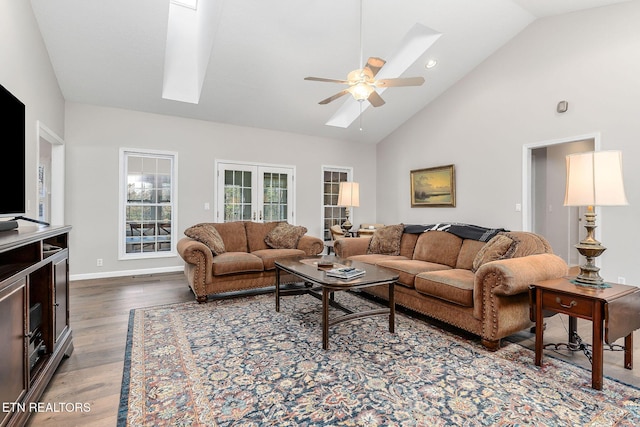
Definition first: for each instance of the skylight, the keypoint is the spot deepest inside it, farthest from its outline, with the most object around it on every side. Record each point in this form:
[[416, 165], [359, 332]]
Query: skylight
[[192, 4], [190, 34]]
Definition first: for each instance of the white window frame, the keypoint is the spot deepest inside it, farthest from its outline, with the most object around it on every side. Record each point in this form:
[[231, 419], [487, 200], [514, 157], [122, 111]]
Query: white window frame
[[122, 223], [329, 168]]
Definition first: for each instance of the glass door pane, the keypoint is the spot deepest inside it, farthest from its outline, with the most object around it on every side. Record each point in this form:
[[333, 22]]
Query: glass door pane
[[275, 200], [333, 214], [237, 189], [258, 193]]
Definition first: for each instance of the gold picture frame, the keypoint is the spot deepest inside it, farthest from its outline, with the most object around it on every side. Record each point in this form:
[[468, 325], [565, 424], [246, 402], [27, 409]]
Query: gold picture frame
[[433, 187]]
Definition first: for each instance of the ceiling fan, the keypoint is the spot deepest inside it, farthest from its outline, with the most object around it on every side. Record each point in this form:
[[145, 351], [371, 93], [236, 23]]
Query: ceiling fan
[[362, 83]]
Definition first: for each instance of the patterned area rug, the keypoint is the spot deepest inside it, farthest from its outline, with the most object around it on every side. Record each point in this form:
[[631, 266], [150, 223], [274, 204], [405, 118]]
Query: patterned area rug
[[238, 362]]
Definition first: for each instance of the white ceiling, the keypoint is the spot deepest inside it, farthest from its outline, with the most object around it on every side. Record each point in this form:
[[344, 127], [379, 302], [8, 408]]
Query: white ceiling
[[111, 53]]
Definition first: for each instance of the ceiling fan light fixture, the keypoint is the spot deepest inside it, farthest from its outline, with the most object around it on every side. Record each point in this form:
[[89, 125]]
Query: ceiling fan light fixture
[[360, 75], [431, 63], [361, 91]]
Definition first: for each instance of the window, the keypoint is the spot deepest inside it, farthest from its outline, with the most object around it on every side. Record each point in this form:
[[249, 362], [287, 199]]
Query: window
[[147, 185], [332, 214], [252, 192]]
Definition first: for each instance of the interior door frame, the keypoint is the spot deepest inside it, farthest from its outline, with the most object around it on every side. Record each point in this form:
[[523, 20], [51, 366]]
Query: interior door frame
[[528, 174], [56, 187]]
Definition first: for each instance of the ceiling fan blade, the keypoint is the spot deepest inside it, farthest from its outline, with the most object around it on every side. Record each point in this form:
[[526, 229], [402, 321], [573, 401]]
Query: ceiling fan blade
[[375, 99], [403, 81], [322, 79], [334, 97], [413, 45], [374, 64]]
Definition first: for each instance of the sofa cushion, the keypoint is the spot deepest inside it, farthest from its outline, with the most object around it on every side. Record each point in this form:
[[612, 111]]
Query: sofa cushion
[[236, 262], [499, 247], [233, 235], [455, 285], [440, 247], [468, 253], [386, 240], [256, 234], [207, 234], [270, 256], [285, 236], [408, 268], [408, 244]]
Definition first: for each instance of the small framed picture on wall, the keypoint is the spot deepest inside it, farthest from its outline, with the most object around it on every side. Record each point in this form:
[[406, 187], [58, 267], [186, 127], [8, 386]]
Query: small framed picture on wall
[[433, 187]]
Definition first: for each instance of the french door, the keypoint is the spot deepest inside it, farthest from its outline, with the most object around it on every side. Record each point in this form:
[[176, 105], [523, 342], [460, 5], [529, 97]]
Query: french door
[[254, 192]]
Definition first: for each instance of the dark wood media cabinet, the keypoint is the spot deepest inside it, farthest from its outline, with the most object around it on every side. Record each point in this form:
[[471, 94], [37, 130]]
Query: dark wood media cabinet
[[34, 315]]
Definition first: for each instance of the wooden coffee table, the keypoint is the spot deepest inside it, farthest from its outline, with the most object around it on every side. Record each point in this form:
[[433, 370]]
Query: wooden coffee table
[[321, 286]]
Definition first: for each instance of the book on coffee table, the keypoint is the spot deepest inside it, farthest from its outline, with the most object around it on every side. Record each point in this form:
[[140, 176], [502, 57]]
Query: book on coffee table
[[345, 272]]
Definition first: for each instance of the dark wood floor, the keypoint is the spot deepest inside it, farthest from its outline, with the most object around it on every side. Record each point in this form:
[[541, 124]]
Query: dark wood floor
[[99, 315], [99, 319]]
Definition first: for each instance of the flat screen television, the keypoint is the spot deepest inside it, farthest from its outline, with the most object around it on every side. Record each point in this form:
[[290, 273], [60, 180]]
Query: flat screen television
[[12, 147]]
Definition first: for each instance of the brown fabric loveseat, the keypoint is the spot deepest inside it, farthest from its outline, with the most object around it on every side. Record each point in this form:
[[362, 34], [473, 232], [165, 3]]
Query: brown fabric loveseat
[[475, 286], [234, 256]]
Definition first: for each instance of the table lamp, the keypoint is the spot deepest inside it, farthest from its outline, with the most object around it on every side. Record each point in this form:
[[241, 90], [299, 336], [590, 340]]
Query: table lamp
[[348, 196], [593, 179]]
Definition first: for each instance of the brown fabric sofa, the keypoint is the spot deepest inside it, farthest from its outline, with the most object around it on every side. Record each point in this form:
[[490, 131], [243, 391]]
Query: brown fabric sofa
[[246, 261], [455, 280]]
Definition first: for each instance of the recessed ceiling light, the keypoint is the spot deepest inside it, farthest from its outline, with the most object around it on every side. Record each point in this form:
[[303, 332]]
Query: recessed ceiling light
[[431, 63]]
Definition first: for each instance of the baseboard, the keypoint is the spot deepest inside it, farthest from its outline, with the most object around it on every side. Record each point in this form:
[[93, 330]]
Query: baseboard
[[125, 273]]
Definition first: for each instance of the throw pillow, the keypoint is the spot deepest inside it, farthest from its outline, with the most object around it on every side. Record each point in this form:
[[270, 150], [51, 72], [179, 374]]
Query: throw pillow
[[499, 247], [386, 240], [207, 234], [285, 236]]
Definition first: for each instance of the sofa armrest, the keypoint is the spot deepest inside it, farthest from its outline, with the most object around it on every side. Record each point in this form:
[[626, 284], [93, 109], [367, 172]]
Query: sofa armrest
[[194, 252], [199, 264], [349, 246], [311, 245], [513, 276]]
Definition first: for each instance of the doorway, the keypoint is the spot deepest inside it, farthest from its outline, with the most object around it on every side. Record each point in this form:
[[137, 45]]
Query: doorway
[[50, 177], [544, 212]]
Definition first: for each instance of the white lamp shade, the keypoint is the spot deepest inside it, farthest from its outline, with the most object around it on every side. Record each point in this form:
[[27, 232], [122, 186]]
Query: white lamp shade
[[595, 179], [349, 194]]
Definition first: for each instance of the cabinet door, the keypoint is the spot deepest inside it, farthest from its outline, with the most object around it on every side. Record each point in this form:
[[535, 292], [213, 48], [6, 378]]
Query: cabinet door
[[12, 343], [61, 290]]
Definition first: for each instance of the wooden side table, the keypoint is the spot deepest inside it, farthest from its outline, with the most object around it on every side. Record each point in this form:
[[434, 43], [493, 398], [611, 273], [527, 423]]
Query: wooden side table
[[616, 307]]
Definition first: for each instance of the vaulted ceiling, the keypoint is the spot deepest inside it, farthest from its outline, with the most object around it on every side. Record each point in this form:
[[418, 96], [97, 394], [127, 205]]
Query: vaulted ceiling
[[112, 53]]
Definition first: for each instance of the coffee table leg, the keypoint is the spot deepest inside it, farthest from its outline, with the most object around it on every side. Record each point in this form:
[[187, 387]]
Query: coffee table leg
[[392, 308], [325, 318], [277, 289]]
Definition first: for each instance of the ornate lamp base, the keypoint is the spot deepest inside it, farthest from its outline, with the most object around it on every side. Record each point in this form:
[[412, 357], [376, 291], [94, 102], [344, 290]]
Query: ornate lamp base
[[346, 225], [590, 248]]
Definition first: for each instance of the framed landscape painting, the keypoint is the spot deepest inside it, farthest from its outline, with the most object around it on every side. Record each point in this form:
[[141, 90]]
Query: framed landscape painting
[[433, 187]]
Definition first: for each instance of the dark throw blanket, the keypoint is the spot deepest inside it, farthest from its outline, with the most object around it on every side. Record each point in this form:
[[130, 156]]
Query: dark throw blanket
[[464, 231]]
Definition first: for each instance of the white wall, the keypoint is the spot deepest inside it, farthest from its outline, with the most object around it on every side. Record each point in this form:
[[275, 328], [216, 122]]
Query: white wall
[[94, 136], [588, 58], [25, 70]]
